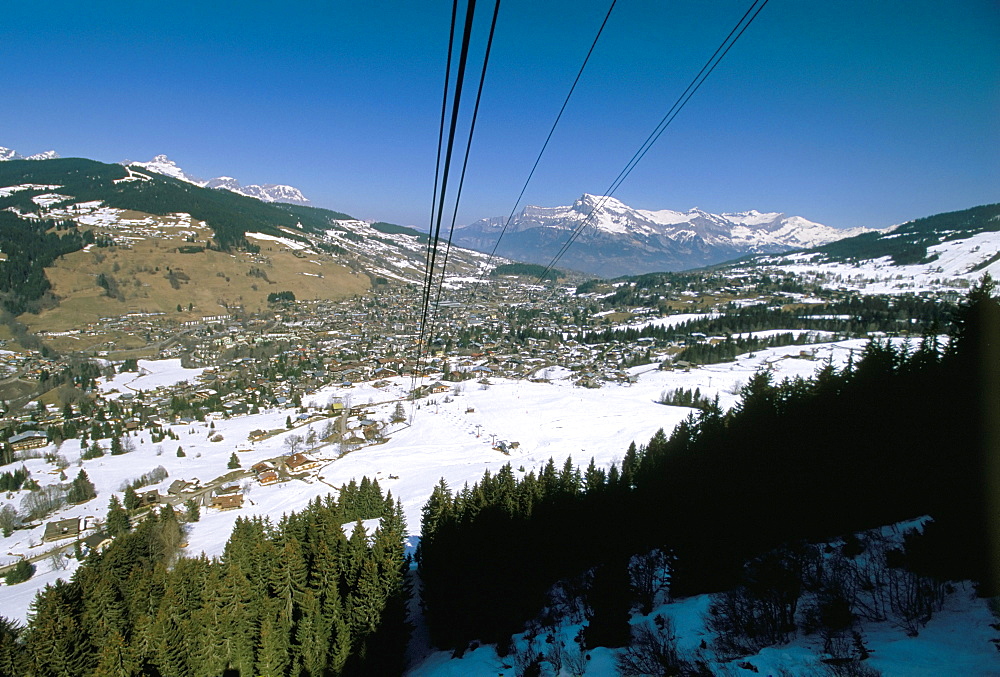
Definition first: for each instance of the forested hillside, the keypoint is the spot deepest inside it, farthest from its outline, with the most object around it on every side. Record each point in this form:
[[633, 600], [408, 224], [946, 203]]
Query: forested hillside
[[296, 597], [908, 243], [229, 215], [30, 246], [898, 434]]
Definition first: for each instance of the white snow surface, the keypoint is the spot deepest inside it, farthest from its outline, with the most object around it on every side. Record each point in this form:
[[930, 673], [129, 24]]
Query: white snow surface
[[152, 374], [284, 241]]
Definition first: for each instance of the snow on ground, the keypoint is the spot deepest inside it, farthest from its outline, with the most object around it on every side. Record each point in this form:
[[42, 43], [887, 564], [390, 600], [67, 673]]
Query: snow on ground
[[284, 241], [669, 320], [956, 642], [444, 439], [151, 375], [952, 269]]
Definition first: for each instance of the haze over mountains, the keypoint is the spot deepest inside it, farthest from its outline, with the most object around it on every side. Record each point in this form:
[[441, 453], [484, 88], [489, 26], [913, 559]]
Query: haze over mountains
[[616, 239]]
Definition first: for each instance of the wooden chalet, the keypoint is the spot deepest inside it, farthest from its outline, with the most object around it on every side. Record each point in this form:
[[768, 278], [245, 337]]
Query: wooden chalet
[[227, 501], [299, 461]]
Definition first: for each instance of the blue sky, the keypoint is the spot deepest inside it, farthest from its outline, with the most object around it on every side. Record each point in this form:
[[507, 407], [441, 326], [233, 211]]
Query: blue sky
[[849, 113]]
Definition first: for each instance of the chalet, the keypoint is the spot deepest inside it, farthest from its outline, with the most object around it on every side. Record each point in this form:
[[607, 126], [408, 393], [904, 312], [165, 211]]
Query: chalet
[[298, 462], [67, 528], [148, 498], [177, 486], [438, 387], [29, 439], [228, 501], [97, 542], [267, 477]]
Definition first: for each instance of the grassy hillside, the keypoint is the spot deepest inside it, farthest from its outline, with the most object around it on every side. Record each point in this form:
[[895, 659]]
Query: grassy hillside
[[150, 258]]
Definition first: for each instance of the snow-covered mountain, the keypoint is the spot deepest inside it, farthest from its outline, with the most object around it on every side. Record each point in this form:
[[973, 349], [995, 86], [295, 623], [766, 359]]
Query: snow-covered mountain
[[268, 192], [11, 154], [621, 240]]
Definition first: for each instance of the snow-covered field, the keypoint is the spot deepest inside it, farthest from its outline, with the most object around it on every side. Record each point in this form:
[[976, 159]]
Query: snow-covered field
[[452, 439]]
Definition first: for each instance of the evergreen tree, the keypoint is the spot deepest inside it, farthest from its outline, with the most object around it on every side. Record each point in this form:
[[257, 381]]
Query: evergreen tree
[[234, 461], [13, 658], [192, 511], [131, 498], [273, 658], [117, 521], [82, 489]]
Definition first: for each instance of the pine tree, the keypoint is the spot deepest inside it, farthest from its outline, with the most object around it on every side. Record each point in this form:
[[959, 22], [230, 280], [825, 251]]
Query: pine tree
[[273, 658], [116, 658], [192, 511], [82, 489], [312, 635], [13, 657], [117, 521], [131, 498], [234, 461]]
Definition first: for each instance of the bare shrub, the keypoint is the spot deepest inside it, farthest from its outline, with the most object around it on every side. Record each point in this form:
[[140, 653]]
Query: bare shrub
[[653, 651], [38, 504], [649, 576], [761, 612], [157, 474], [9, 519]]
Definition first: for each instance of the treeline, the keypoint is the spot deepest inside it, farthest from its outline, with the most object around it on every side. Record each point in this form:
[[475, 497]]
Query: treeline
[[854, 316], [393, 229], [292, 598], [528, 270], [895, 435], [727, 349]]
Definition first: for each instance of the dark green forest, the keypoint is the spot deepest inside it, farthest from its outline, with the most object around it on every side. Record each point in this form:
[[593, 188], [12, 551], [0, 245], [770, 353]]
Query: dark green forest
[[30, 246], [527, 270], [295, 597], [899, 433], [393, 229]]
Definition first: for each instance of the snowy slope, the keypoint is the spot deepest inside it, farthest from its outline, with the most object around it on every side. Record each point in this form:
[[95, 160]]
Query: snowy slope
[[957, 264]]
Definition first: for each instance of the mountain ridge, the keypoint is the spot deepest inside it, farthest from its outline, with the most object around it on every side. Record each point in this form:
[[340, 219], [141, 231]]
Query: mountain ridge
[[268, 192], [634, 241]]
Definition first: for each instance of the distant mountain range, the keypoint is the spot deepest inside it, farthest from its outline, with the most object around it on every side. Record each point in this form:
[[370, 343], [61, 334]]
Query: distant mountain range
[[268, 192], [161, 164], [621, 240], [11, 154]]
